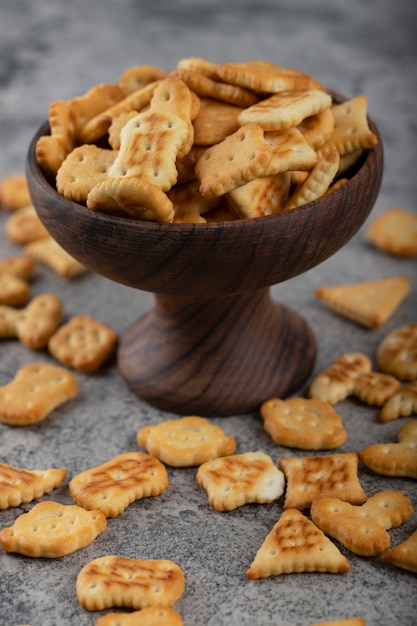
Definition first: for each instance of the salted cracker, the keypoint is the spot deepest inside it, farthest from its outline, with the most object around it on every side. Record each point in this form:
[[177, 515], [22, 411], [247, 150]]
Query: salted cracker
[[148, 616], [337, 381], [396, 353], [403, 555], [34, 324], [93, 102], [290, 151], [20, 486], [293, 545], [318, 181], [114, 580], [215, 121], [52, 149], [402, 403], [394, 232], [206, 87], [267, 195], [394, 459]]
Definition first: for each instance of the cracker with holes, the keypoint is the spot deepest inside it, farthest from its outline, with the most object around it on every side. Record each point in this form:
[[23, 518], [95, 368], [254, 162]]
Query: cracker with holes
[[403, 555], [34, 324], [83, 343], [35, 391], [52, 149], [236, 480], [402, 403], [337, 381], [295, 544], [394, 459], [114, 580], [112, 486], [397, 352], [14, 192], [24, 226], [138, 76], [362, 529], [148, 616], [307, 424], [186, 442], [267, 195], [51, 530], [369, 303], [375, 388], [91, 104], [19, 486], [83, 168], [189, 205], [318, 181], [394, 232], [48, 252], [334, 475]]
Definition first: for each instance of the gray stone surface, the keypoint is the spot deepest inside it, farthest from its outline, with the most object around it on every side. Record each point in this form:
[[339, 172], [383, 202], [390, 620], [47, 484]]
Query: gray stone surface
[[51, 50]]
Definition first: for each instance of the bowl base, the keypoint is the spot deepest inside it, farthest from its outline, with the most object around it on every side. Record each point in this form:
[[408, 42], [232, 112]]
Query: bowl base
[[216, 356]]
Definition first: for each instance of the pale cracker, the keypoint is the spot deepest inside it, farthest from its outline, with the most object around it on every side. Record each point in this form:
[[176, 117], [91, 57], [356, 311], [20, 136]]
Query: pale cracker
[[34, 324], [336, 382], [19, 486], [14, 191], [362, 529], [148, 616], [52, 530], [83, 343], [334, 475], [397, 352], [186, 442], [48, 252], [368, 303], [402, 403], [394, 232], [290, 151], [375, 388], [318, 128], [317, 182], [286, 109], [394, 459], [215, 121], [24, 226], [295, 544], [114, 580], [112, 486], [404, 554], [236, 480], [35, 391], [96, 100], [138, 76], [263, 196], [307, 424]]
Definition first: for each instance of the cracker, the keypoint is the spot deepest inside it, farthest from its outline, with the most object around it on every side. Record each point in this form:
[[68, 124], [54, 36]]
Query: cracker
[[317, 182], [293, 545], [215, 121], [186, 442], [189, 205], [334, 475], [317, 129], [394, 459], [349, 160], [83, 168], [14, 291], [290, 151], [148, 616], [19, 486], [369, 303], [52, 149], [35, 391], [114, 580], [397, 352], [350, 621], [337, 381], [404, 554], [52, 530], [24, 226], [48, 252], [202, 66], [233, 481], [238, 159], [362, 529], [14, 192], [394, 232], [112, 486], [116, 126], [20, 265], [375, 388], [286, 109], [96, 100], [33, 325], [83, 343], [138, 76], [263, 196], [206, 87], [307, 424], [402, 403]]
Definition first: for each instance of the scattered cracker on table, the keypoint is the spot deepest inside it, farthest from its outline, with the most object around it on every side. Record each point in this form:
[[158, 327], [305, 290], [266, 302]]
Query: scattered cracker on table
[[186, 442], [295, 544], [112, 486], [35, 391], [369, 303], [14, 192], [308, 424], [52, 530], [236, 480], [394, 459], [14, 291], [394, 232], [403, 555], [337, 381], [402, 403], [148, 616], [19, 486], [83, 343], [114, 580], [375, 388], [47, 251], [33, 325], [397, 352], [24, 226], [334, 475], [20, 265], [350, 621], [362, 529]]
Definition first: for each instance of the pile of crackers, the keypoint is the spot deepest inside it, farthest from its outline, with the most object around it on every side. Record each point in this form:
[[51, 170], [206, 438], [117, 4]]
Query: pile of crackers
[[205, 142]]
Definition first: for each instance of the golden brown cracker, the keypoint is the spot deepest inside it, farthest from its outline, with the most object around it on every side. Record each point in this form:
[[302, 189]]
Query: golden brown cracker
[[396, 353], [34, 324], [403, 555], [93, 102], [52, 149], [138, 76], [336, 382], [394, 459], [394, 232], [263, 196], [290, 151], [14, 191], [402, 403], [48, 252], [215, 121], [189, 205], [206, 87], [375, 388], [14, 291], [148, 616], [19, 265], [19, 486], [24, 226], [317, 182]]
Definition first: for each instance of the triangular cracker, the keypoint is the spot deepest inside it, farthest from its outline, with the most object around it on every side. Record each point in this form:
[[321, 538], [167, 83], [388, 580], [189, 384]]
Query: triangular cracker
[[295, 544], [368, 303], [403, 555]]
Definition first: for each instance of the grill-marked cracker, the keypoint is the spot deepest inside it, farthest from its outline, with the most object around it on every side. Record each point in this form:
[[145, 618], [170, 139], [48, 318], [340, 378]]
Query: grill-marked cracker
[[263, 196], [19, 486], [337, 381]]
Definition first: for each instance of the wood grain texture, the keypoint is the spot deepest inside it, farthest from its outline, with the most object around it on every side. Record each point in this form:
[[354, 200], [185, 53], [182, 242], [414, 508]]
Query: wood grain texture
[[215, 343]]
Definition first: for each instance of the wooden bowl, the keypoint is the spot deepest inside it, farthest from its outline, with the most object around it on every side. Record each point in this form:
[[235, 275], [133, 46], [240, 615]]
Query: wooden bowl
[[215, 342]]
